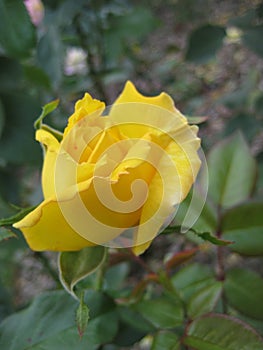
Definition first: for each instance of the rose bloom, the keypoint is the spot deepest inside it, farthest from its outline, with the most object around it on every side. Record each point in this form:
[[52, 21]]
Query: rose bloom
[[35, 9], [75, 61], [116, 177]]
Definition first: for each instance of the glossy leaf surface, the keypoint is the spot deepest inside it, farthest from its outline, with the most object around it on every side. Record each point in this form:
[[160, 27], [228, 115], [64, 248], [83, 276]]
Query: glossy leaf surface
[[244, 225], [232, 171], [219, 332]]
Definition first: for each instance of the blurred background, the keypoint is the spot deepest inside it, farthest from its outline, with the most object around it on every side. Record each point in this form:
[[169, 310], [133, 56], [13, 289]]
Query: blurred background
[[207, 54]]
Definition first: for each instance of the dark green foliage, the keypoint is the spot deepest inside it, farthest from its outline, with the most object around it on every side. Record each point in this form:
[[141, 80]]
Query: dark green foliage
[[17, 34], [204, 42], [204, 290]]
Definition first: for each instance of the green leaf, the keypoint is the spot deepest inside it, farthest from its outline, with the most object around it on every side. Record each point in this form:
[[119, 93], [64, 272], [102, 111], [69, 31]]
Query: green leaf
[[245, 122], [17, 34], [252, 39], [37, 77], [206, 236], [93, 337], [256, 324], [244, 225], [82, 316], [5, 208], [127, 336], [99, 303], [134, 319], [6, 302], [66, 340], [18, 145], [191, 279], [47, 316], [132, 25], [204, 219], [46, 109], [204, 300], [49, 54], [132, 327], [101, 329], [115, 277], [165, 340], [6, 234], [137, 23], [204, 42], [11, 75], [75, 266], [2, 118], [243, 290], [161, 312], [220, 332], [258, 104], [49, 324], [232, 171]]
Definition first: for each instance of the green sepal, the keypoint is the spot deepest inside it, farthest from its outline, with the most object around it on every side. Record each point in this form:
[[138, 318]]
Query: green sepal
[[16, 217], [46, 109], [75, 266], [196, 119]]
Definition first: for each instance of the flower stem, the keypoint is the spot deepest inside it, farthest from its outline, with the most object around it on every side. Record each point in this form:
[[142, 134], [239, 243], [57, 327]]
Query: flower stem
[[220, 273], [220, 266], [101, 272], [140, 261]]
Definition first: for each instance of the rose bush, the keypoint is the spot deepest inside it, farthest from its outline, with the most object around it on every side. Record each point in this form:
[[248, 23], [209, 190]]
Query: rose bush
[[116, 176]]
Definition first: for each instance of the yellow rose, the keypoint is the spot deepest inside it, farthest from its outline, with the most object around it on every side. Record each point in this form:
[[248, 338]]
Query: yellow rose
[[116, 177]]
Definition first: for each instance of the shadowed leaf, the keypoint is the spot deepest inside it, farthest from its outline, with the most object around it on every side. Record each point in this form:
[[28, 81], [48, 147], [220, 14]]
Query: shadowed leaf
[[75, 266]]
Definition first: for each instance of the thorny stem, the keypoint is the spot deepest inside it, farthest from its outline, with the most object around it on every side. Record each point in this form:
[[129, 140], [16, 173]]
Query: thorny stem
[[221, 274], [220, 266], [140, 261], [142, 285]]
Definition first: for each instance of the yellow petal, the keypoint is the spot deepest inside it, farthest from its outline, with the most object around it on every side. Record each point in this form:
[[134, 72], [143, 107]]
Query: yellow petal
[[137, 153], [84, 107], [77, 220], [131, 94], [140, 249], [137, 115], [51, 146], [106, 139], [90, 137], [60, 170], [45, 228], [154, 213], [176, 173]]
